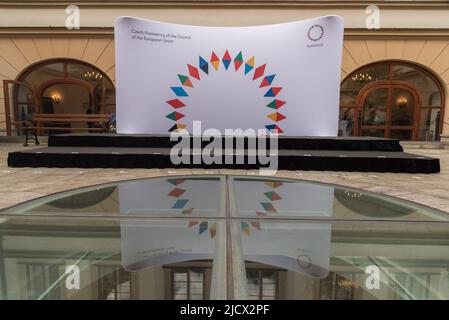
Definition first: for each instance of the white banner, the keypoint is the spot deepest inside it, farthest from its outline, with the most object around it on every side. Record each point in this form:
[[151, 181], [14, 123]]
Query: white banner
[[282, 77], [297, 246]]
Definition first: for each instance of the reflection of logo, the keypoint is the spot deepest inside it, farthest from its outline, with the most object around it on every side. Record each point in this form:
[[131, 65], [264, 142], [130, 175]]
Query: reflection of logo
[[180, 205], [304, 261], [316, 32]]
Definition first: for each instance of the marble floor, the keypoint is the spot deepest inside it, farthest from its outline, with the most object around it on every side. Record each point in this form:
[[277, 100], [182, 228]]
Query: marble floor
[[22, 184]]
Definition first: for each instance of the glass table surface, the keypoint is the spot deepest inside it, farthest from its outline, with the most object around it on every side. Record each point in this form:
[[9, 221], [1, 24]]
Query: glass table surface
[[223, 237]]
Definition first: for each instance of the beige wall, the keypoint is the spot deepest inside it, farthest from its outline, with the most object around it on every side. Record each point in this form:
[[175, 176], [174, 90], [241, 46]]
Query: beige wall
[[413, 31], [416, 31], [412, 14], [16, 53]]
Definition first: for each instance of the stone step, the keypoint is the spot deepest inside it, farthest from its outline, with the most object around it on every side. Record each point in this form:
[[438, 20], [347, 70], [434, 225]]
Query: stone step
[[21, 139], [423, 145]]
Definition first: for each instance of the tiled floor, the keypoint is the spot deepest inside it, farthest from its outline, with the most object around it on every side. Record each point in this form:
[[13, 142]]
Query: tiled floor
[[22, 184]]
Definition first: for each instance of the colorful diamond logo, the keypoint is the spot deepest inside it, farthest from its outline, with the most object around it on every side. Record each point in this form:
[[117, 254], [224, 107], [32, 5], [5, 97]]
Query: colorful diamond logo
[[274, 128], [203, 226], [273, 92], [215, 61], [179, 204], [245, 228], [175, 116], [213, 230], [192, 224], [249, 65], [185, 81], [272, 195], [276, 116], [226, 60], [273, 184], [193, 72], [204, 66], [256, 224], [176, 192], [266, 81], [268, 206], [175, 182], [259, 71], [276, 104], [179, 91], [176, 103], [177, 126], [238, 61]]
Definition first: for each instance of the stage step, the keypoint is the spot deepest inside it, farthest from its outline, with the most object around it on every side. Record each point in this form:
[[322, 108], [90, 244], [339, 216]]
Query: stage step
[[320, 160], [163, 141], [153, 151]]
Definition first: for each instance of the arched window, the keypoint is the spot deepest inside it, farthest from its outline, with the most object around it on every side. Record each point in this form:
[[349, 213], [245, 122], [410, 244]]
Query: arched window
[[392, 99], [59, 86]]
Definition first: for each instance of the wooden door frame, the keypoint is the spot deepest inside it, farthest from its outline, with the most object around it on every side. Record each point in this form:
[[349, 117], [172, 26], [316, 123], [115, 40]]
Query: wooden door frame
[[390, 85], [53, 82], [103, 95], [8, 119]]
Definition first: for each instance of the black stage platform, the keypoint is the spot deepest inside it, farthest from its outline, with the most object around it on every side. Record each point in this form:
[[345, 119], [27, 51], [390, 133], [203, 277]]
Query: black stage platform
[[284, 143], [295, 153]]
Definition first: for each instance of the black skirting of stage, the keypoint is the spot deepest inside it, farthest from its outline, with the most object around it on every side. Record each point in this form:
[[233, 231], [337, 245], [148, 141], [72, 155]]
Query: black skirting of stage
[[320, 160], [163, 141], [295, 153]]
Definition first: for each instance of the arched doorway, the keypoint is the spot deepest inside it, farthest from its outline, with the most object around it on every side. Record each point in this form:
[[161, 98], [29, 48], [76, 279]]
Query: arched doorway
[[389, 110], [58, 86], [392, 99]]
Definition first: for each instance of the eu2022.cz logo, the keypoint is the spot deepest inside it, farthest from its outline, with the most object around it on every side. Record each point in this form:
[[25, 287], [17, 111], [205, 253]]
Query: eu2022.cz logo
[[315, 33]]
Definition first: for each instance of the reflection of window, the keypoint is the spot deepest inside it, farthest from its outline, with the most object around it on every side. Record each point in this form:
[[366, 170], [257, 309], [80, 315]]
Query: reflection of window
[[262, 284], [412, 286], [188, 284], [346, 124], [337, 287], [40, 277], [114, 283]]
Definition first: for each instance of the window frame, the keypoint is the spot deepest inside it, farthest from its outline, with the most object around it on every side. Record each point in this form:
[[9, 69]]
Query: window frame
[[390, 83], [188, 281], [260, 273]]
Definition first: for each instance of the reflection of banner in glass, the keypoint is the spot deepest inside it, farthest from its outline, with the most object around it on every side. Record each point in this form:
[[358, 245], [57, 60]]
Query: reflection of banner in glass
[[181, 196], [302, 247], [147, 244], [283, 198], [283, 78], [295, 246]]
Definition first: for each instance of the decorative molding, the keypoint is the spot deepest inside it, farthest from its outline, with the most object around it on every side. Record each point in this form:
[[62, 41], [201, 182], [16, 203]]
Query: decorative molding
[[56, 32], [108, 32], [319, 4]]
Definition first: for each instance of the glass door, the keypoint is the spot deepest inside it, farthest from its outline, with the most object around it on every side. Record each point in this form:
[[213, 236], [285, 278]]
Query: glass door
[[374, 113], [389, 111], [402, 114]]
